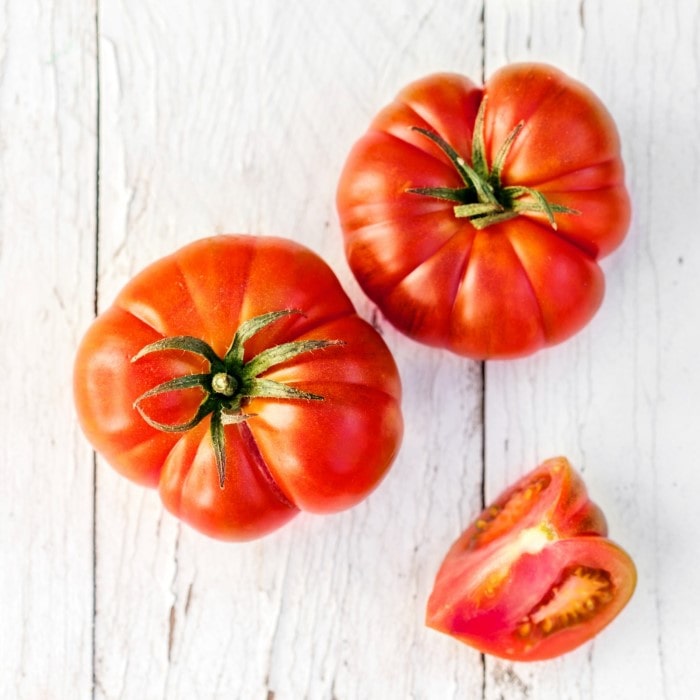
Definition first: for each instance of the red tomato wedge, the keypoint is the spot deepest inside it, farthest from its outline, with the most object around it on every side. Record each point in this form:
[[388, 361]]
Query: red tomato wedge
[[534, 576], [475, 217], [235, 376]]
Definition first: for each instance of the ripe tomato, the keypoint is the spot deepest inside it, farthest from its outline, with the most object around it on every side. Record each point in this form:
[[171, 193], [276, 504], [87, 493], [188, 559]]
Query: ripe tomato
[[534, 576], [236, 377], [474, 217]]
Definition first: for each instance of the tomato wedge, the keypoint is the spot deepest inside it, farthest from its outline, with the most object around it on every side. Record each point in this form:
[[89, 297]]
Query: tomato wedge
[[534, 576]]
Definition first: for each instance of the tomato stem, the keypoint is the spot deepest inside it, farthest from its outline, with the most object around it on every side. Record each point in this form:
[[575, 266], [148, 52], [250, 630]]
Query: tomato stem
[[224, 384], [483, 199], [230, 381]]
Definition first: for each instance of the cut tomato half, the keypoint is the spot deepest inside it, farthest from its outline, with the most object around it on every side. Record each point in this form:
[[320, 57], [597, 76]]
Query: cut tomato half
[[534, 576]]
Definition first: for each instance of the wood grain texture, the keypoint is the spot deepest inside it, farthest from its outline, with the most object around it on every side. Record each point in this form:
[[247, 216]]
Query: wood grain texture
[[47, 221], [209, 117], [620, 399], [238, 117]]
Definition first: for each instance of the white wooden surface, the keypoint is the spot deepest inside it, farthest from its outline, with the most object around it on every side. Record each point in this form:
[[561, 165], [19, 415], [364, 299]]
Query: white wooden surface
[[129, 128]]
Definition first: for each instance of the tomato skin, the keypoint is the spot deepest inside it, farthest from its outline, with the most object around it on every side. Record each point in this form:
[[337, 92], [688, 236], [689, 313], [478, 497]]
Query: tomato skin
[[289, 454], [494, 579], [513, 287]]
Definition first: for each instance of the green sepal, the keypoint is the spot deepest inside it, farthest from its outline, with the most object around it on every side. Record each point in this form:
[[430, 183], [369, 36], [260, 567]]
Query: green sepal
[[234, 418], [478, 154], [447, 149], [540, 204], [450, 194], [270, 389], [476, 209], [482, 222], [182, 342], [218, 441], [500, 159], [226, 410], [205, 408], [250, 328], [188, 381], [282, 353], [469, 175], [483, 200]]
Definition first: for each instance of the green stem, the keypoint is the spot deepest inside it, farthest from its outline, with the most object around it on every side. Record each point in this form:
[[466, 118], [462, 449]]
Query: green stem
[[224, 384]]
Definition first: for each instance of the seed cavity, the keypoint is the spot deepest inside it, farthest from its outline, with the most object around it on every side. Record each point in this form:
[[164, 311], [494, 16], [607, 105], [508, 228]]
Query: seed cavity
[[576, 597], [525, 629], [501, 516]]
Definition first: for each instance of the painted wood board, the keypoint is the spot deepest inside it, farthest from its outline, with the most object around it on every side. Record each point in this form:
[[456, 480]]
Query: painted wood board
[[129, 129]]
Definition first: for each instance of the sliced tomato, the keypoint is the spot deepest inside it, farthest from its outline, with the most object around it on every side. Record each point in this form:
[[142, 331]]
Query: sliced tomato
[[534, 576]]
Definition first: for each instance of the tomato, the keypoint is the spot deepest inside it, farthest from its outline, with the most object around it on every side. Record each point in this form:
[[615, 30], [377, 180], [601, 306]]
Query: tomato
[[236, 377], [534, 576], [475, 217]]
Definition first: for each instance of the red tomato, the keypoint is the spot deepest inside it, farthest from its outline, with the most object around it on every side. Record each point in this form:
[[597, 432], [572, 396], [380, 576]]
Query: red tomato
[[474, 217], [236, 377], [534, 576]]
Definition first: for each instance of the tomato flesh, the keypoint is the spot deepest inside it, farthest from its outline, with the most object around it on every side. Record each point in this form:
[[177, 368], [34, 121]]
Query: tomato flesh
[[500, 518], [539, 578]]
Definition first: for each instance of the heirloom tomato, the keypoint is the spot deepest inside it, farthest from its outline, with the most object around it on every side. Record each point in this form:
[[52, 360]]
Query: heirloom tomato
[[534, 576], [474, 217], [236, 377]]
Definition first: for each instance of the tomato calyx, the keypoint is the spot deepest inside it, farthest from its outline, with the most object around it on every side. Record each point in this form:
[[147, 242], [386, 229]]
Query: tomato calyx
[[231, 381], [483, 199]]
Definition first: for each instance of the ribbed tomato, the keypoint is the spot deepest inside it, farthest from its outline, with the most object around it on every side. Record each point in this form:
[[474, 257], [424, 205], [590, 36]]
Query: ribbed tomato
[[474, 217], [534, 576], [236, 377]]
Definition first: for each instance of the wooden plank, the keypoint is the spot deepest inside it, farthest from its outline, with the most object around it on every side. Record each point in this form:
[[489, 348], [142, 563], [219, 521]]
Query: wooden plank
[[618, 399], [238, 117], [47, 236]]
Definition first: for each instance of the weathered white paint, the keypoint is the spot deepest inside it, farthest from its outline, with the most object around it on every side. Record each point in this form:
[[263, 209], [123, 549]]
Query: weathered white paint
[[621, 399], [237, 116], [47, 228]]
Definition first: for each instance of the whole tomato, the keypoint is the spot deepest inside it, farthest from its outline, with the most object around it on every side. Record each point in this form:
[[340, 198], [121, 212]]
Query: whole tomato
[[474, 217], [236, 377], [534, 576]]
